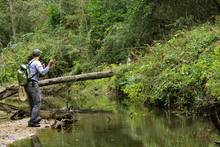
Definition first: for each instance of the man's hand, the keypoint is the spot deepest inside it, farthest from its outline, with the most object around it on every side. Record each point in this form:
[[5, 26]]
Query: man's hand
[[51, 62]]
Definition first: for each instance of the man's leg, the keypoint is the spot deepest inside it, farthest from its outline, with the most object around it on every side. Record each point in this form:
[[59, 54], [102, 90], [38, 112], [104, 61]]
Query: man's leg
[[36, 97], [30, 99]]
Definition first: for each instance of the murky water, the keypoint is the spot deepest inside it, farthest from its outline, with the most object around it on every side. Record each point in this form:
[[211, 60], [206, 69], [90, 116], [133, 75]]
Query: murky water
[[128, 130]]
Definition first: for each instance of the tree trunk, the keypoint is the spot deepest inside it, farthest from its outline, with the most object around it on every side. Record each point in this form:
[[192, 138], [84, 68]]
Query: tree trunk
[[10, 91], [12, 17]]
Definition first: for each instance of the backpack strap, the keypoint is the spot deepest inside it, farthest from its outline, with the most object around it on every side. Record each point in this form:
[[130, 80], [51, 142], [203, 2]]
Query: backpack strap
[[30, 70], [30, 62], [33, 76]]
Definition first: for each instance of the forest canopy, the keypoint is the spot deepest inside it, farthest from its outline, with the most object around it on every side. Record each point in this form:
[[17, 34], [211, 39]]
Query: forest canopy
[[153, 43]]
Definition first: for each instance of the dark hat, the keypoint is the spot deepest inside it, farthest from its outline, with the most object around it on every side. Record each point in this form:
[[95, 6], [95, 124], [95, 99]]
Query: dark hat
[[37, 52]]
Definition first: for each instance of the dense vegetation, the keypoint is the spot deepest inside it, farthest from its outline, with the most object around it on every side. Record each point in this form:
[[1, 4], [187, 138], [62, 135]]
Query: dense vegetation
[[164, 53], [180, 74]]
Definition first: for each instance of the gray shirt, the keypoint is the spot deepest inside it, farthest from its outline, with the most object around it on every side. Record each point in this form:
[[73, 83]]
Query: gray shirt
[[37, 69]]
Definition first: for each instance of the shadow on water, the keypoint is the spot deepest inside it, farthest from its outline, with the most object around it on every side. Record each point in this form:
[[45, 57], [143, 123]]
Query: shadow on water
[[123, 130]]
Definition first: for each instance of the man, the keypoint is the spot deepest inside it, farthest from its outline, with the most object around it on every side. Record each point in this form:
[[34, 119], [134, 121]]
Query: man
[[32, 88]]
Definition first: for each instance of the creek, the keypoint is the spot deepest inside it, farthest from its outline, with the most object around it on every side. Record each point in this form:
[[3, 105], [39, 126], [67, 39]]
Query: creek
[[136, 129]]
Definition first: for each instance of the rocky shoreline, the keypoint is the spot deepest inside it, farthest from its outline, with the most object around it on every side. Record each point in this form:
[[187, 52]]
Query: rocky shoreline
[[12, 131]]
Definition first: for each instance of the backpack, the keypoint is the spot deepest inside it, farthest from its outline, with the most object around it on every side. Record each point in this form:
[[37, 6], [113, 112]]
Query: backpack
[[23, 74]]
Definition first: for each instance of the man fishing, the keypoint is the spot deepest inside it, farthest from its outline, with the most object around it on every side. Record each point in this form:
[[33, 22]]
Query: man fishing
[[32, 88]]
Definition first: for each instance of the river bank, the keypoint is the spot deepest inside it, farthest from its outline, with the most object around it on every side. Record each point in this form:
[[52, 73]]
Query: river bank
[[16, 130]]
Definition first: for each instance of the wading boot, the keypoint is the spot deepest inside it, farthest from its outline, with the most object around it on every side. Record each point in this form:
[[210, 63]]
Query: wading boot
[[33, 124], [37, 120]]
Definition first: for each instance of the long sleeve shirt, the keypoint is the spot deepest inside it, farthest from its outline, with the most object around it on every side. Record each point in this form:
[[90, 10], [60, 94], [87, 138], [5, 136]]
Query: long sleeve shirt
[[37, 69]]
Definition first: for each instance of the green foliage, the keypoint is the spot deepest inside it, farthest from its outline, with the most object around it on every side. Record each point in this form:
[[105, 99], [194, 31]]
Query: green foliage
[[176, 73], [94, 31], [55, 15], [92, 95], [84, 36]]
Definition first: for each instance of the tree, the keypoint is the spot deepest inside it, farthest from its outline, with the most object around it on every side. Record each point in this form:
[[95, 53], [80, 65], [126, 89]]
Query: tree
[[12, 16]]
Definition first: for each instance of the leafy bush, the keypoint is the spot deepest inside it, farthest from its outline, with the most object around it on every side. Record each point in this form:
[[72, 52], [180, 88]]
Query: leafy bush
[[176, 74], [92, 95]]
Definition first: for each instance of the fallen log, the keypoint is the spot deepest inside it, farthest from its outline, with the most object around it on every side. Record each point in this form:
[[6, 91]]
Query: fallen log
[[13, 89], [8, 108], [9, 91], [63, 117], [55, 114], [46, 114], [17, 112]]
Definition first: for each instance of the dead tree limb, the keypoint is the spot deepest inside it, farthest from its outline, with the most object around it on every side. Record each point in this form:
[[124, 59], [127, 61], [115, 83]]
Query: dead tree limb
[[54, 114], [8, 108], [46, 114], [11, 90]]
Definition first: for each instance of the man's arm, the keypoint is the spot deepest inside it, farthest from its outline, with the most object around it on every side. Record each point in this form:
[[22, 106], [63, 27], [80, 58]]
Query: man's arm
[[41, 70], [44, 71]]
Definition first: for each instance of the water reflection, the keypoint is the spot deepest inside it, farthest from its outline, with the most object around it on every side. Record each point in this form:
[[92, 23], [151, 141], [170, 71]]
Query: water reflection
[[35, 141], [122, 130]]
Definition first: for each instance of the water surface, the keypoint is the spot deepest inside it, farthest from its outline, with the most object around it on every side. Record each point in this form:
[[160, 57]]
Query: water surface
[[145, 129]]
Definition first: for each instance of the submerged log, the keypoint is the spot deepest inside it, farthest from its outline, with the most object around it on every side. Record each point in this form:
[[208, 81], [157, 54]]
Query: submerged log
[[11, 90]]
